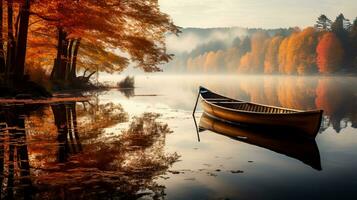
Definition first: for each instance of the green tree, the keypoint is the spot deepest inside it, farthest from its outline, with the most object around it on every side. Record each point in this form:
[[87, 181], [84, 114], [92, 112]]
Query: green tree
[[341, 27], [323, 23], [353, 42], [341, 23], [245, 45]]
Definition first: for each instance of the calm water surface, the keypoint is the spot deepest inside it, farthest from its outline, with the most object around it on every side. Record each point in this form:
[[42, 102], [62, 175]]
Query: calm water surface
[[143, 144]]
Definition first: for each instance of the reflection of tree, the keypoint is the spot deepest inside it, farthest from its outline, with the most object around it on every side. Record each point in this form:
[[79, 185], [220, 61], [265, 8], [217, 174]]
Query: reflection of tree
[[287, 92], [91, 163], [96, 117], [14, 161], [114, 166], [298, 93], [126, 86], [43, 133], [128, 92], [66, 121], [354, 115], [58, 130], [336, 98]]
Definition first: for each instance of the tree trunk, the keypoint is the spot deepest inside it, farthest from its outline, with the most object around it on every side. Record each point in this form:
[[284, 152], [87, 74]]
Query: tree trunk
[[75, 127], [60, 117], [10, 43], [64, 61], [69, 60], [2, 53], [2, 150], [74, 59], [56, 70], [22, 40], [65, 65]]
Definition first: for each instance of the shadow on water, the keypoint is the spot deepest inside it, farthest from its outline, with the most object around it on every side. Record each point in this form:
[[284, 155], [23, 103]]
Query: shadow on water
[[75, 153], [282, 141]]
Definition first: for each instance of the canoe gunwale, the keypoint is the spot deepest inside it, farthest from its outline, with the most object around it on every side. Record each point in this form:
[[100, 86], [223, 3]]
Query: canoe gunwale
[[295, 112]]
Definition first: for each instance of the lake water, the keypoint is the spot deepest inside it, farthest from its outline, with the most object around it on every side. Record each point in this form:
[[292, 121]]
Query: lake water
[[143, 143]]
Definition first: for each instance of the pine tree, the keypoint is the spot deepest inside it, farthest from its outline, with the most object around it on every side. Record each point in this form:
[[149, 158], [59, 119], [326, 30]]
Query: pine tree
[[353, 42], [341, 26], [323, 23]]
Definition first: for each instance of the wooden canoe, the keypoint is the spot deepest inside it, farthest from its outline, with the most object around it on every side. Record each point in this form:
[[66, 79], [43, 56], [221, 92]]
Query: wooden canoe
[[291, 145], [221, 107]]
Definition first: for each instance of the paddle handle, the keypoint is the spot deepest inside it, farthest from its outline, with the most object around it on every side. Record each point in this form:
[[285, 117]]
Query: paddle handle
[[194, 109], [197, 129], [193, 115]]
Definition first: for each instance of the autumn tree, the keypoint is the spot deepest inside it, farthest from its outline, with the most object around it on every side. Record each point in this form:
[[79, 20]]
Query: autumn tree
[[271, 62], [253, 61], [282, 54], [307, 54], [329, 53], [297, 52], [213, 61], [112, 31]]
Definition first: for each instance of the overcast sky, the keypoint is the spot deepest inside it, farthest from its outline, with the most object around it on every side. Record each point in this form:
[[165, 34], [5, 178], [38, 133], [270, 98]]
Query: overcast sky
[[255, 13]]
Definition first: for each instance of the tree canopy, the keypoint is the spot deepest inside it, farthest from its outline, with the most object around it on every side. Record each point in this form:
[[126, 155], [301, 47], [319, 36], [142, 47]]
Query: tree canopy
[[68, 35]]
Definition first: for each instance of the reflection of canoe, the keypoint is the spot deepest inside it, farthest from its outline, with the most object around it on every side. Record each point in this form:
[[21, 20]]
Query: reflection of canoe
[[307, 122], [292, 145]]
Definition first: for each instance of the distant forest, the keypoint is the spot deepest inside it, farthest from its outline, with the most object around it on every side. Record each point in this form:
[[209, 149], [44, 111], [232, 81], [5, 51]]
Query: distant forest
[[329, 47]]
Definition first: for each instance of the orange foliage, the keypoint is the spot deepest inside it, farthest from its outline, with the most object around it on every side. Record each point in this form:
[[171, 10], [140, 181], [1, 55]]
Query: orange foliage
[[271, 61], [282, 55], [215, 61], [245, 63], [293, 54], [296, 53], [329, 53], [111, 32], [253, 61]]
